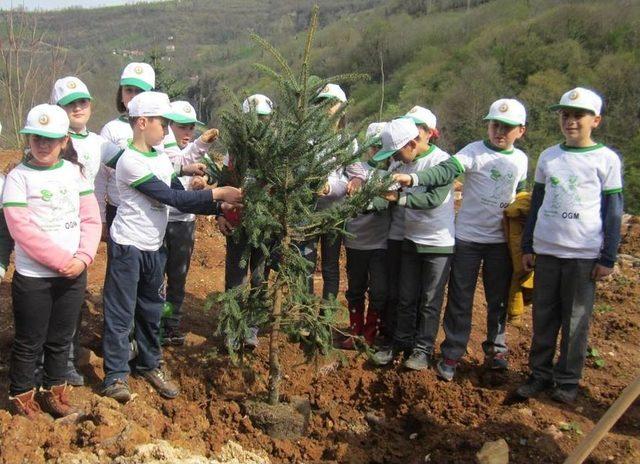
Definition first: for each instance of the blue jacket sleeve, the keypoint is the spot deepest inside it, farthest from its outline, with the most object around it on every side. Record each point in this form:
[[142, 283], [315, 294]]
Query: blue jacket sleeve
[[537, 196], [612, 205], [187, 201]]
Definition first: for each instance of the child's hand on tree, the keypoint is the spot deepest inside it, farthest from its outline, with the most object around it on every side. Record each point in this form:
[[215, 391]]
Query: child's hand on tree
[[210, 135], [404, 180], [73, 269], [198, 183], [354, 185], [195, 169], [390, 196], [224, 226], [229, 195], [600, 272]]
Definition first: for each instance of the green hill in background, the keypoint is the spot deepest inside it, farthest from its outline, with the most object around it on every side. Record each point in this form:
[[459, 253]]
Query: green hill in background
[[453, 56]]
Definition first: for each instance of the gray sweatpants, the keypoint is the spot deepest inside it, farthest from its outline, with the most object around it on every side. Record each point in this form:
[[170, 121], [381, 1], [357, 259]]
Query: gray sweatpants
[[496, 278], [562, 301]]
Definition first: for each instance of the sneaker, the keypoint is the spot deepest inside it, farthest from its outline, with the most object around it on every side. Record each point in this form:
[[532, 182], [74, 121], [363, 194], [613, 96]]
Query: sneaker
[[418, 361], [251, 338], [532, 387], [447, 369], [498, 362], [118, 390], [386, 354], [160, 380], [74, 378], [565, 393], [173, 337]]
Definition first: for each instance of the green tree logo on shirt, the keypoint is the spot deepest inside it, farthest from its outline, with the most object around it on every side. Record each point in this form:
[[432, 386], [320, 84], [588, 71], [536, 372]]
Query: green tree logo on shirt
[[46, 195], [564, 191]]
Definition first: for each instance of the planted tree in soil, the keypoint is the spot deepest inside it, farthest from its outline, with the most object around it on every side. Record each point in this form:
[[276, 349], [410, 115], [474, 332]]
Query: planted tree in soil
[[284, 162]]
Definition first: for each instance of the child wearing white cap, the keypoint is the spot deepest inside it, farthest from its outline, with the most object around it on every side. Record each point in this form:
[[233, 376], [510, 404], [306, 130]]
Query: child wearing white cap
[[366, 255], [572, 234], [73, 96], [494, 172], [135, 79], [255, 270], [136, 259], [335, 189], [427, 243], [53, 217], [180, 234]]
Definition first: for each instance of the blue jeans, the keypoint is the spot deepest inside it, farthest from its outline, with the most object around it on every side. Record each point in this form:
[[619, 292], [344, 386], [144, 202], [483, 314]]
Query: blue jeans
[[132, 294]]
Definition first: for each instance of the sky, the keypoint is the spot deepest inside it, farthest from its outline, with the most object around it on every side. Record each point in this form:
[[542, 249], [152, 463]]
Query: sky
[[57, 4]]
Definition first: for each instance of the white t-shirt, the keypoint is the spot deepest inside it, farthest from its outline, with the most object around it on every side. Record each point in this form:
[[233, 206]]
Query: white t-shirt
[[435, 226], [52, 196], [569, 223], [140, 221], [93, 149], [491, 179], [370, 229], [119, 132]]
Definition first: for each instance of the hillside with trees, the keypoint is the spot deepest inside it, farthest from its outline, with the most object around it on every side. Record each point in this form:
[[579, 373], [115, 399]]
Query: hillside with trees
[[453, 56]]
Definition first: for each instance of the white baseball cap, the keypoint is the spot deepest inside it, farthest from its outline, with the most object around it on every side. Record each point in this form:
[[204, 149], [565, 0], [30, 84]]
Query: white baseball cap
[[67, 90], [508, 111], [46, 120], [151, 104], [184, 113], [395, 135], [261, 104], [139, 75], [580, 98], [372, 137], [333, 91], [422, 115]]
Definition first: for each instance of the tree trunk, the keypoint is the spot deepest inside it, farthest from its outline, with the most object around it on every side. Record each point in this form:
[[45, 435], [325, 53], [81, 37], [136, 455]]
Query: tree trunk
[[275, 374]]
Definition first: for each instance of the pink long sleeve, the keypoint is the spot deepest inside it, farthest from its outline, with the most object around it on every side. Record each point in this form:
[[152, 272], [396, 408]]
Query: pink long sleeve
[[33, 241], [90, 229]]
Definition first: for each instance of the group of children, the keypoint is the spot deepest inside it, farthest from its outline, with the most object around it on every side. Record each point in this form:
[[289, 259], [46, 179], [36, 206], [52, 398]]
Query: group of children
[[138, 186]]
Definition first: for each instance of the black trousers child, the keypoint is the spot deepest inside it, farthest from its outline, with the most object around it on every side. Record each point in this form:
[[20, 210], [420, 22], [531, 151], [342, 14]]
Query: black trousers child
[[178, 241], [45, 311]]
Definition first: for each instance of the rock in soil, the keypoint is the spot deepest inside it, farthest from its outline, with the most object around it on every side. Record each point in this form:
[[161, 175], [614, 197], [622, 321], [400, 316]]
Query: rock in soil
[[285, 421], [494, 452]]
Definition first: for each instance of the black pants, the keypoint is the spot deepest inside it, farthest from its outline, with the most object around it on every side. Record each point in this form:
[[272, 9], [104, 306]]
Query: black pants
[[393, 265], [45, 312], [367, 271], [178, 241], [330, 263]]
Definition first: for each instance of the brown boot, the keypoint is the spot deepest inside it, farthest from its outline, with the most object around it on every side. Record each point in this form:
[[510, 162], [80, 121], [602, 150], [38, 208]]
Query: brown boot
[[25, 404], [56, 401], [371, 326]]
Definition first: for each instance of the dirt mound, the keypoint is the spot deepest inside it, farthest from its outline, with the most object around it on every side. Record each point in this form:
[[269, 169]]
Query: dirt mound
[[359, 414]]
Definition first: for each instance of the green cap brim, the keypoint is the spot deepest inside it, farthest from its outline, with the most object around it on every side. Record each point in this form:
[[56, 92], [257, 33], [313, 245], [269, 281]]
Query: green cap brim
[[73, 97], [41, 133], [136, 83], [181, 119], [328, 96], [508, 122], [570, 107], [263, 113], [383, 155]]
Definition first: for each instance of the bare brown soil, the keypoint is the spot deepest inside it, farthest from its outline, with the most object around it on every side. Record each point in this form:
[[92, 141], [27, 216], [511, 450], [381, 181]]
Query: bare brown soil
[[360, 414]]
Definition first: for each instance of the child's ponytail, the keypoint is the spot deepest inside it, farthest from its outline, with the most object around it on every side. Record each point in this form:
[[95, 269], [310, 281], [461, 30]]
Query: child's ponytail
[[70, 154]]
